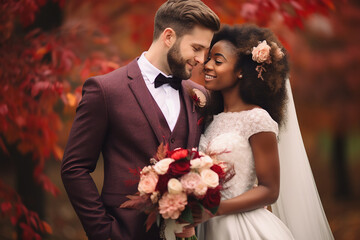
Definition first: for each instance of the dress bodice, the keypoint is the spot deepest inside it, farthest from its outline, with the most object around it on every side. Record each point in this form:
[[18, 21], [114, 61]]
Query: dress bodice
[[228, 137]]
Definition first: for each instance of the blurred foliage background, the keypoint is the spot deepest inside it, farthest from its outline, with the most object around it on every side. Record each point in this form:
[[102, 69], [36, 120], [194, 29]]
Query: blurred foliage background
[[48, 48]]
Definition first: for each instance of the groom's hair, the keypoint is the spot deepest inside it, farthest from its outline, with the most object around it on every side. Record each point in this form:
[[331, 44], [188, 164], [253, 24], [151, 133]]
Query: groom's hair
[[182, 16]]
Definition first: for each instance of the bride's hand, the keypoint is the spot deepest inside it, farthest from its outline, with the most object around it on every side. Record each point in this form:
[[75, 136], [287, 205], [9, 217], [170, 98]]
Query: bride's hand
[[200, 216]]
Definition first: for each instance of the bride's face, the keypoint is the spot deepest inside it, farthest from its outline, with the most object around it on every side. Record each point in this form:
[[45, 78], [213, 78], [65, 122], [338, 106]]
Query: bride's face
[[219, 68]]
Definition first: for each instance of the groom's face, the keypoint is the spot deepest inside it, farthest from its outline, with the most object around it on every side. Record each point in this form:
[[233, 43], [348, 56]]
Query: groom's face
[[188, 51]]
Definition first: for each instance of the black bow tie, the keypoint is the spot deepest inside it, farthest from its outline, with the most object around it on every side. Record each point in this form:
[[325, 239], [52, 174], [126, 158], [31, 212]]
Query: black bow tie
[[174, 82]]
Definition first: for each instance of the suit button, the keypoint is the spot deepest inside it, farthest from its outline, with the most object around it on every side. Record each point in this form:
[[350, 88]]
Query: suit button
[[172, 140]]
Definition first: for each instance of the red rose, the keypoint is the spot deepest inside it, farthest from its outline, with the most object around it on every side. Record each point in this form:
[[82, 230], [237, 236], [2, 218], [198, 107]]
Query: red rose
[[178, 154], [161, 185], [179, 168], [212, 198], [216, 168], [194, 154]]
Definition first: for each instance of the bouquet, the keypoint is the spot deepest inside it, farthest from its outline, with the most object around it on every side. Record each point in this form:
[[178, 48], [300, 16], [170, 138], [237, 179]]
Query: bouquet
[[177, 185]]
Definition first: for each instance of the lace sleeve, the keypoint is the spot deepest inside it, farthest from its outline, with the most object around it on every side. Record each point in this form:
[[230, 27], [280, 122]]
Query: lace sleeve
[[259, 120]]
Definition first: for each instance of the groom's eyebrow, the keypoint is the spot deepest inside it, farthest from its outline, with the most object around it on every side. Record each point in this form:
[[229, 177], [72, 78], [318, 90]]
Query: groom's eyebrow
[[197, 45]]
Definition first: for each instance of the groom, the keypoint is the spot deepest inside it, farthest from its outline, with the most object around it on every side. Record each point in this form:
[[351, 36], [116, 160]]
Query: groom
[[127, 113]]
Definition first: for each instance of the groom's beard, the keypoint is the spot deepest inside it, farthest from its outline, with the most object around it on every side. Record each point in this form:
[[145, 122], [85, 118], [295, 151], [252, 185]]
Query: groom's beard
[[177, 63]]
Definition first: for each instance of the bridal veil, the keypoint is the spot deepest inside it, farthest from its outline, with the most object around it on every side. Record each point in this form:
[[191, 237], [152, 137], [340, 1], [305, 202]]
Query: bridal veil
[[298, 205]]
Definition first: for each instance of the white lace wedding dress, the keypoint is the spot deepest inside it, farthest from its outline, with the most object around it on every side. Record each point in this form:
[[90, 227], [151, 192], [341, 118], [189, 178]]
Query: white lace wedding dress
[[228, 134]]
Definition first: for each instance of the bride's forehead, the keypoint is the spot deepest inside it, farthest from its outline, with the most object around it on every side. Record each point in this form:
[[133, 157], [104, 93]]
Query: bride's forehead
[[224, 47]]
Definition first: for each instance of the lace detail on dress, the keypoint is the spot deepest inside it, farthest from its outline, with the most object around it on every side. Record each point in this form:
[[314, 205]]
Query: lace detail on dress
[[228, 134]]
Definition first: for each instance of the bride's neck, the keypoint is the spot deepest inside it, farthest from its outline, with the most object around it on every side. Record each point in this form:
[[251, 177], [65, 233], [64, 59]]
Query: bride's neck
[[234, 103]]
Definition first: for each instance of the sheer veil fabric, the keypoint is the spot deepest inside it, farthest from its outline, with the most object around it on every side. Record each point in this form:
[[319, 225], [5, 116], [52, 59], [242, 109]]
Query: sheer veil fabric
[[298, 205]]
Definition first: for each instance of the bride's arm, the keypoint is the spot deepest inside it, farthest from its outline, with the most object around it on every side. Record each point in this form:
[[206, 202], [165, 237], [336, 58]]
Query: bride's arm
[[266, 157]]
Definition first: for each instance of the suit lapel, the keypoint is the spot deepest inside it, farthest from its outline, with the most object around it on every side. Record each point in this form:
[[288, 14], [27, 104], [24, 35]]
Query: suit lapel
[[144, 98], [191, 115]]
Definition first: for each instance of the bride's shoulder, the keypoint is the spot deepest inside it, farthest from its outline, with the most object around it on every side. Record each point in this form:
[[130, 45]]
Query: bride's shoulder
[[256, 114], [258, 119]]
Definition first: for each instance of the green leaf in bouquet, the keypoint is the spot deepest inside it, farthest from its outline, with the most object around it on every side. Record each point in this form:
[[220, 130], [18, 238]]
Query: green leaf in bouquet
[[208, 213], [186, 215], [214, 210]]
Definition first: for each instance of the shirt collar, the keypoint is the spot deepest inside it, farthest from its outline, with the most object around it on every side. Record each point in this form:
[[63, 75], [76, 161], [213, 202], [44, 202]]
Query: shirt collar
[[149, 70]]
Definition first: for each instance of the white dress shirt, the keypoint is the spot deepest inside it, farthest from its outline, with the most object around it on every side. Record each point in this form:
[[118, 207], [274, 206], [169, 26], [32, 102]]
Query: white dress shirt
[[166, 97]]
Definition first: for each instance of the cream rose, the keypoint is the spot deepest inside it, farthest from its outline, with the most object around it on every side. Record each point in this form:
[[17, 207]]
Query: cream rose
[[162, 166], [202, 162], [210, 178], [261, 53], [195, 163], [207, 162], [174, 186]]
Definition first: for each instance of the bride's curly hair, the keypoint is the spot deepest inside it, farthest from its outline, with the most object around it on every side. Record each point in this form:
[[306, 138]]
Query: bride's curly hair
[[266, 89]]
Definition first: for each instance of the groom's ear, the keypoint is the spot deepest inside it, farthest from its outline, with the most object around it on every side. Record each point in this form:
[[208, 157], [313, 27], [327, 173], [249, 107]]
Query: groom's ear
[[169, 37]]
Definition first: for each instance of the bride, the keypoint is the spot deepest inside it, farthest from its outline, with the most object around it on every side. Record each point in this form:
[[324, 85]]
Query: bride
[[246, 73]]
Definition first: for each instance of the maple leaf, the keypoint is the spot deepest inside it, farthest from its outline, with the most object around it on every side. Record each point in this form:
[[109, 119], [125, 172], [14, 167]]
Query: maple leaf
[[162, 151], [135, 171], [136, 201], [150, 220]]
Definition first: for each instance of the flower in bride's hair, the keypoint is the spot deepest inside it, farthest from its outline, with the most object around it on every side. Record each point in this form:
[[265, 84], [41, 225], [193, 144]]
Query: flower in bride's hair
[[278, 53], [190, 181], [210, 178], [261, 53], [174, 186], [148, 182], [171, 205], [162, 166]]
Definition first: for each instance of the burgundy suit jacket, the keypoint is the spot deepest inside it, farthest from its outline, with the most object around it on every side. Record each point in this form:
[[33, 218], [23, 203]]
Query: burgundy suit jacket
[[116, 117]]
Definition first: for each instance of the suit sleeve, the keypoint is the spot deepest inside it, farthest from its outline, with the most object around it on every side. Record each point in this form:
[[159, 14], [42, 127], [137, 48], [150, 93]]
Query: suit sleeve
[[80, 157]]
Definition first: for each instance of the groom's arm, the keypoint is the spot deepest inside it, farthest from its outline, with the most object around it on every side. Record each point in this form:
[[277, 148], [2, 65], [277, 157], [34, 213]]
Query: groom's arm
[[80, 157]]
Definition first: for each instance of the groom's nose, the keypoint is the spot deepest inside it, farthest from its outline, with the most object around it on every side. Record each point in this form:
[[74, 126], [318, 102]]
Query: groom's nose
[[200, 58]]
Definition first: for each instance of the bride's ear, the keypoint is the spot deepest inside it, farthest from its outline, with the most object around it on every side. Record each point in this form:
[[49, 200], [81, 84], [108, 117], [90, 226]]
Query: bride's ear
[[239, 74]]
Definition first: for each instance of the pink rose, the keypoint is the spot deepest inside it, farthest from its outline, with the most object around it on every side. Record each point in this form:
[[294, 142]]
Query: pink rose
[[190, 181], [200, 190], [148, 182], [171, 205], [261, 53]]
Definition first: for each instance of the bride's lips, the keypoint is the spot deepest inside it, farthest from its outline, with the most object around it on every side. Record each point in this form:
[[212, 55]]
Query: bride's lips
[[209, 78]]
